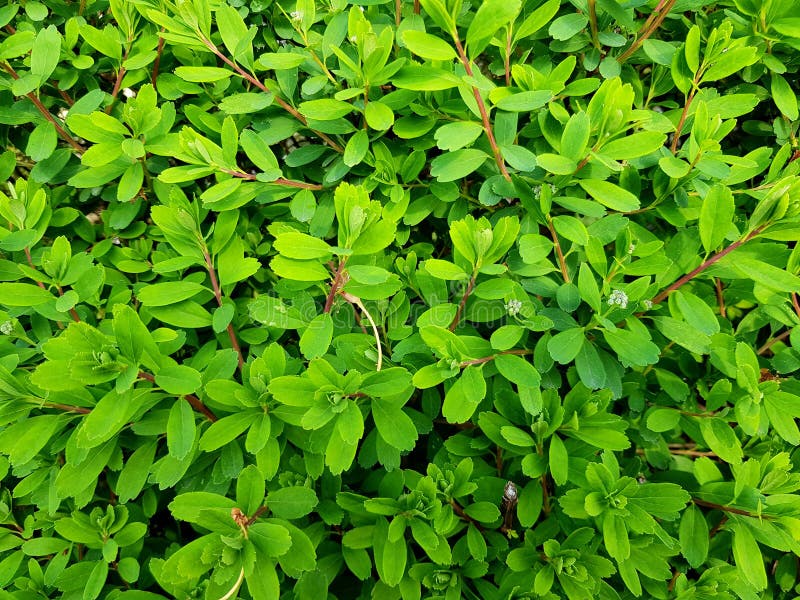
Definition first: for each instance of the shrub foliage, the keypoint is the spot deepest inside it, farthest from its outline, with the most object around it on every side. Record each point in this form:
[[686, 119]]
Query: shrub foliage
[[400, 300]]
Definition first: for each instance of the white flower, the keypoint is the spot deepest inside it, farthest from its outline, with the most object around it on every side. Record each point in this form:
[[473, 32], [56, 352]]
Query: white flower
[[6, 328], [618, 298], [361, 8], [513, 307], [631, 248], [128, 93], [297, 15], [648, 304]]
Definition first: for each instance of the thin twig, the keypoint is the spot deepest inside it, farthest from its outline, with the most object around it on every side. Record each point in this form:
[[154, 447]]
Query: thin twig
[[218, 295], [562, 263], [720, 298], [45, 113], [485, 359], [467, 292], [705, 264], [651, 25], [157, 61], [281, 102], [279, 181], [339, 279], [193, 400], [487, 124], [772, 341], [729, 509]]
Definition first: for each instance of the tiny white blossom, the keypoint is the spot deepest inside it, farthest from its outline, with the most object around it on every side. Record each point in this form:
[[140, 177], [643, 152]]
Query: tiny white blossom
[[648, 304], [6, 328], [618, 298], [63, 113], [537, 192], [361, 8], [631, 248], [513, 307], [353, 39], [553, 188], [128, 93], [296, 15]]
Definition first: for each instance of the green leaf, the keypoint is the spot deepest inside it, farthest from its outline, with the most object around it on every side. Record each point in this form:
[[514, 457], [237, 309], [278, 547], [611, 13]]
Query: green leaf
[[716, 216], [292, 502], [181, 429], [558, 460], [693, 536], [748, 556], [203, 74], [425, 79], [459, 134], [483, 512], [564, 346], [428, 46], [45, 53], [464, 396], [457, 165], [316, 339], [23, 294], [784, 97], [491, 17], [633, 146], [325, 109], [356, 148], [394, 425], [179, 380], [517, 370], [525, 101], [566, 26], [378, 115], [301, 246], [610, 195], [168, 292], [575, 136]]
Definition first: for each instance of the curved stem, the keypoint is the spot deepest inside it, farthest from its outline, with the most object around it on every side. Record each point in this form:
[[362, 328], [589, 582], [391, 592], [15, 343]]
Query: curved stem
[[356, 301]]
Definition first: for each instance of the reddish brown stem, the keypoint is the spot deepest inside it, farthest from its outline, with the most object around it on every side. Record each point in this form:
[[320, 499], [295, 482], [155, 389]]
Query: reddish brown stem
[[212, 274], [704, 265], [485, 359], [157, 61], [772, 341], [416, 7], [650, 26], [487, 124], [795, 304], [279, 181], [336, 285], [32, 266], [67, 98], [545, 494], [118, 82], [398, 11], [562, 263], [193, 400], [281, 102], [73, 313], [44, 112], [593, 24], [459, 511], [729, 509], [467, 292], [681, 122], [67, 407], [720, 298]]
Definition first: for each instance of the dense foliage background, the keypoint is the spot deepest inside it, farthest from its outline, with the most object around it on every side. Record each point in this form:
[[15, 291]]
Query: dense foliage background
[[399, 299]]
